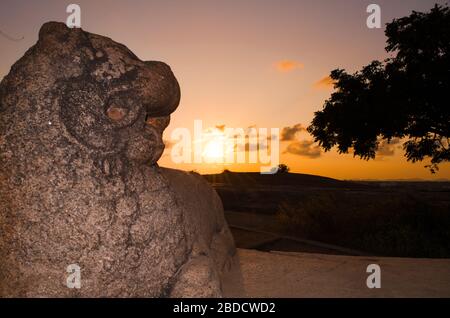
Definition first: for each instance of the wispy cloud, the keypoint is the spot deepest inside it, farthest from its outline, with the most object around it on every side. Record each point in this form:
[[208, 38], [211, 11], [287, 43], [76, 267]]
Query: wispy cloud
[[325, 83], [248, 146], [299, 147], [285, 66], [168, 143], [305, 148], [290, 133], [387, 148]]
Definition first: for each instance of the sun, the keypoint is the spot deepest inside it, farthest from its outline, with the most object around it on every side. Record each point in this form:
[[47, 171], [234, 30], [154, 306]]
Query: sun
[[214, 149], [216, 146]]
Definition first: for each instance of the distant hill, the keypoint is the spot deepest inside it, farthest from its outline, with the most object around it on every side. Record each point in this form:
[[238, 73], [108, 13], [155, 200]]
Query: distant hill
[[263, 193], [255, 179]]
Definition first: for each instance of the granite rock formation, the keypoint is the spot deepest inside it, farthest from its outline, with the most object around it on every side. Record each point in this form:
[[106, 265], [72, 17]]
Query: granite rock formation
[[81, 122]]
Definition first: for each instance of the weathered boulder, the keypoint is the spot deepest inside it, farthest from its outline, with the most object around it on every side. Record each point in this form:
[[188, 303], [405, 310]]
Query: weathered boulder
[[81, 122]]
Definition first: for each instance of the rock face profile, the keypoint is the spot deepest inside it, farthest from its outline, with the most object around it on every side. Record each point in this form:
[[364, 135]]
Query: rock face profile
[[81, 122]]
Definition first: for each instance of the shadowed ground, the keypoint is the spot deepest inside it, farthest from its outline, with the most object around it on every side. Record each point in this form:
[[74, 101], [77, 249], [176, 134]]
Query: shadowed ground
[[395, 219]]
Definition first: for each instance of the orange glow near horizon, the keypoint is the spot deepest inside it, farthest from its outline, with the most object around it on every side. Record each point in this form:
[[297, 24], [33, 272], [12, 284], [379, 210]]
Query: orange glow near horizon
[[241, 64], [390, 166]]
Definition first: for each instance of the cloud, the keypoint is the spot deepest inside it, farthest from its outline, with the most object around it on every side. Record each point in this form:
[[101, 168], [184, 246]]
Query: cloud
[[289, 133], [168, 143], [255, 146], [386, 149], [325, 83], [285, 66], [305, 148]]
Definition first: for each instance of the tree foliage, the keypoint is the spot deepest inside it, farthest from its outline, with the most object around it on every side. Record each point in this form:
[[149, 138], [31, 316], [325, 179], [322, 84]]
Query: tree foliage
[[282, 168], [406, 96]]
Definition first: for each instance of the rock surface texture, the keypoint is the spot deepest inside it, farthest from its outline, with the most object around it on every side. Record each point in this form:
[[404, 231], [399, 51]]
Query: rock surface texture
[[81, 122]]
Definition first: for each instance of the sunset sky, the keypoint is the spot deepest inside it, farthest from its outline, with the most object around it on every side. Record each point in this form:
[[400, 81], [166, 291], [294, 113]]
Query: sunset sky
[[246, 63]]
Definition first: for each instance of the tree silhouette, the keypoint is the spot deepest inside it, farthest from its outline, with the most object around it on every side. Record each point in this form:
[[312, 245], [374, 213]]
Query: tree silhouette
[[406, 96], [282, 168]]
